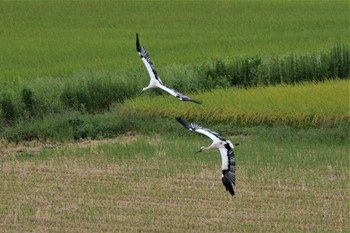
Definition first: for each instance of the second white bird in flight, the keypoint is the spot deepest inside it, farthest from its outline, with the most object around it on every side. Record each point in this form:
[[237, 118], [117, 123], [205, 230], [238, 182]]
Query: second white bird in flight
[[155, 80], [225, 147]]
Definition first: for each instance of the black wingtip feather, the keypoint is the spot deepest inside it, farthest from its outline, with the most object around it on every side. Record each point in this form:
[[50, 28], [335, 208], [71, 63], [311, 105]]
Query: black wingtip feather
[[138, 46], [228, 186], [196, 101], [186, 98], [182, 122], [179, 119]]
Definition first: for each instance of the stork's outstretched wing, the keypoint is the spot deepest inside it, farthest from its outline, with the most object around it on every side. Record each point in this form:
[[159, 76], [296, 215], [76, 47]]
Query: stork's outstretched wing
[[197, 128], [177, 94], [147, 60], [228, 168]]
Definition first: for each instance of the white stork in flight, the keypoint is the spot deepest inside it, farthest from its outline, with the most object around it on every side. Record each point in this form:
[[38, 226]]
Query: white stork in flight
[[155, 80], [226, 150]]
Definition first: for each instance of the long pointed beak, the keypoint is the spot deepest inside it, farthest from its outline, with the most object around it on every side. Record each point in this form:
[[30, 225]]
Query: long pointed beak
[[200, 150], [141, 93]]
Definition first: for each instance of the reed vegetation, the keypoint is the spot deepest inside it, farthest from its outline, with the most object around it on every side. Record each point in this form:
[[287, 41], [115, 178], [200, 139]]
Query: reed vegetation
[[301, 105]]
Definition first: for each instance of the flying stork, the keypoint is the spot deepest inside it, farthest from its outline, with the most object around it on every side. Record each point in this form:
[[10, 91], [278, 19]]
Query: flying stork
[[155, 80], [226, 150]]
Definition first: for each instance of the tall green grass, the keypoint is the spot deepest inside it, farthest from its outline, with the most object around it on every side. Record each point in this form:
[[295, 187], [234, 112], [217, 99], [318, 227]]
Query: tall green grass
[[290, 69]]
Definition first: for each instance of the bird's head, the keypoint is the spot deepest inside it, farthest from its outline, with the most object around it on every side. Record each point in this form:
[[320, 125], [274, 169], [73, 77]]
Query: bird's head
[[143, 89], [200, 150]]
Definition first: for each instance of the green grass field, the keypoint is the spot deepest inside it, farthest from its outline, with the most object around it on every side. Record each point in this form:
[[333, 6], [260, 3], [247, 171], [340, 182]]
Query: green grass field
[[60, 38], [156, 184]]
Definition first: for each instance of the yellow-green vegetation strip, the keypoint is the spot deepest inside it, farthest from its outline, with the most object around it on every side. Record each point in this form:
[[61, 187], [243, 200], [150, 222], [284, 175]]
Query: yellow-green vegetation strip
[[325, 103]]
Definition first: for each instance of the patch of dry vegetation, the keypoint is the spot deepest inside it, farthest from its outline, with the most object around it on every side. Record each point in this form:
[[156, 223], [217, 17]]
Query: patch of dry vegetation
[[117, 187]]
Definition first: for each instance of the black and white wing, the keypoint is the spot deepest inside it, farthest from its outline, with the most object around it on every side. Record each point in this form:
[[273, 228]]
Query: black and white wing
[[147, 60], [178, 95], [228, 167], [197, 128]]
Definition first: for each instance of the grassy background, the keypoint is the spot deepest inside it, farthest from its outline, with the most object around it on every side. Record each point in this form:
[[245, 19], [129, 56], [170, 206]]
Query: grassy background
[[63, 56], [289, 179], [59, 38]]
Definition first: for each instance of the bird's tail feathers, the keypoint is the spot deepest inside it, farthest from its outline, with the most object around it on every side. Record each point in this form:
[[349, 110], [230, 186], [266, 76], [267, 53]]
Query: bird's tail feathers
[[228, 185]]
